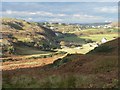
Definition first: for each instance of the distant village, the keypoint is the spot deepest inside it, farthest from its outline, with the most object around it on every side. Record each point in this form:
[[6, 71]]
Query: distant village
[[52, 26]]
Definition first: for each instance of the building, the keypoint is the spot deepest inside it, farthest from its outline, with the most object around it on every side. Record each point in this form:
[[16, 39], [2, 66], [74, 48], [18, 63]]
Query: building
[[104, 40]]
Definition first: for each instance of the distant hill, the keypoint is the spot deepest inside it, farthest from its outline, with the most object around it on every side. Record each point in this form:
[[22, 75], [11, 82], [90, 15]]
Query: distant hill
[[114, 24], [94, 24], [16, 33]]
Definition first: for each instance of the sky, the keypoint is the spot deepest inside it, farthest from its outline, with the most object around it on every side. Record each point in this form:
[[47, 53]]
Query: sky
[[67, 12], [60, 0]]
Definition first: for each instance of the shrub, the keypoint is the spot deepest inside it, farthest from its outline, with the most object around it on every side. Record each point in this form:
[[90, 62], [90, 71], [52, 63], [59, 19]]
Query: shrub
[[65, 60], [88, 41], [62, 52], [15, 26], [10, 49], [114, 84], [102, 49], [57, 63], [71, 81], [18, 82], [105, 65], [47, 84]]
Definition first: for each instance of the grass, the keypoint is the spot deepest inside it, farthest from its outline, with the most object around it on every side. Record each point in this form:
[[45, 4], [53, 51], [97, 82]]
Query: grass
[[102, 49], [54, 81], [24, 50], [67, 81], [98, 37], [47, 55], [105, 65], [85, 49], [86, 31], [74, 39], [57, 81]]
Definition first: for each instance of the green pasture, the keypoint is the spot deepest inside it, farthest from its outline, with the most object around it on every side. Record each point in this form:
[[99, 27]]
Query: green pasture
[[98, 37]]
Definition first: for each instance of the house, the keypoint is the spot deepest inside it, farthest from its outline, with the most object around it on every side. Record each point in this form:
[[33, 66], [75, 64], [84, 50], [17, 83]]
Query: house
[[60, 23], [51, 27], [107, 26], [93, 26], [104, 40]]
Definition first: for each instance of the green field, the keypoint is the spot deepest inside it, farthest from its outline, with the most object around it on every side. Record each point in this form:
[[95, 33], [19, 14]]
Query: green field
[[98, 37], [82, 40], [85, 49], [24, 50], [74, 39]]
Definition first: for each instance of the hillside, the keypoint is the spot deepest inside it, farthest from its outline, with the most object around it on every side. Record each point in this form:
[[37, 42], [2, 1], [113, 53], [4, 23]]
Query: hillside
[[106, 52], [109, 48], [17, 34], [72, 71], [114, 24]]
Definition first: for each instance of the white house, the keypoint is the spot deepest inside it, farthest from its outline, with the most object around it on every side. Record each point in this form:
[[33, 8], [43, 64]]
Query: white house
[[60, 23], [51, 27], [104, 40], [93, 26]]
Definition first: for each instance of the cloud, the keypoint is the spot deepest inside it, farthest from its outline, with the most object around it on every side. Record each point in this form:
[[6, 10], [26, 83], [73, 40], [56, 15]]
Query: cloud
[[27, 13], [52, 17], [85, 16], [61, 15], [55, 20], [70, 15], [30, 18], [9, 12], [113, 9]]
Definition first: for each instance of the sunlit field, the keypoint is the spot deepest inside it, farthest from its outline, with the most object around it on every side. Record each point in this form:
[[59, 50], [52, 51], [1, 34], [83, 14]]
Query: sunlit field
[[98, 37]]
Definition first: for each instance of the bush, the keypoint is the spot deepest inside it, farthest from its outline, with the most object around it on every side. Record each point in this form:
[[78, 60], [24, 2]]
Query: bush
[[15, 26], [56, 63], [88, 41], [57, 81], [65, 60], [102, 49], [10, 49], [113, 84], [105, 65], [62, 52], [71, 81], [60, 62]]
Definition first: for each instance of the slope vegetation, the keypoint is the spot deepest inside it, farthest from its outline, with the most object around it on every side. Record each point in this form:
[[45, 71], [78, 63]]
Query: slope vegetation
[[98, 68], [17, 33]]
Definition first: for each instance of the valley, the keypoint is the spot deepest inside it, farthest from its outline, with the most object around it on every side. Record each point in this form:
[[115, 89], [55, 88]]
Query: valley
[[43, 54]]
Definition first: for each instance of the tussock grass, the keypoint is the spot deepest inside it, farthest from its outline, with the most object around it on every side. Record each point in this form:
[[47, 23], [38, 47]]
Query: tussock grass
[[56, 81]]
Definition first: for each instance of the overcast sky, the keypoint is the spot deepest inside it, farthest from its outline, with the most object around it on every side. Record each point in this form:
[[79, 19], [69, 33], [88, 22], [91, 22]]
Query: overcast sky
[[69, 12]]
